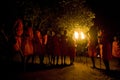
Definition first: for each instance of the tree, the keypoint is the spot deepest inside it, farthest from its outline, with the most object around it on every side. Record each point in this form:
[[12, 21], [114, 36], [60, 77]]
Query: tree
[[75, 16], [56, 14]]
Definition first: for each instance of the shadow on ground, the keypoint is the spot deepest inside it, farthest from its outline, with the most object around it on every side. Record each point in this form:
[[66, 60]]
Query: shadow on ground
[[19, 68], [114, 74]]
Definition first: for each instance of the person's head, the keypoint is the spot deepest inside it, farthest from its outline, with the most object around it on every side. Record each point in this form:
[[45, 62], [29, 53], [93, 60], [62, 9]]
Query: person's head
[[65, 32], [37, 33], [115, 38], [18, 27], [50, 32]]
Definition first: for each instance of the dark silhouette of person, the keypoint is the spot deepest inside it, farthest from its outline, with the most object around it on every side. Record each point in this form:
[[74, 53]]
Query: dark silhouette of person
[[92, 43], [64, 47], [71, 50], [50, 46], [106, 49]]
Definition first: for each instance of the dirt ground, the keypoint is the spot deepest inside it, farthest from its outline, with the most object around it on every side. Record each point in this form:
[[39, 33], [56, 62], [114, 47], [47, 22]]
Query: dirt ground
[[80, 70]]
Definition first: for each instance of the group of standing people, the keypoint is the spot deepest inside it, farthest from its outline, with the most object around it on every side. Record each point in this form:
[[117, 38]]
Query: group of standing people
[[29, 42], [103, 47]]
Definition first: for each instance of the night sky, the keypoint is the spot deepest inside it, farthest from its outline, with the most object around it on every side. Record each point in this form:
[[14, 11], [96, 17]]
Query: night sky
[[107, 13]]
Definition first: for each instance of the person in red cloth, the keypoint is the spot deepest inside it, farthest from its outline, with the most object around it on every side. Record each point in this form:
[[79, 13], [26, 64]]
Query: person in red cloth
[[56, 47], [16, 38], [92, 50], [38, 47], [92, 44], [64, 47], [71, 50], [116, 49], [27, 43], [106, 49], [50, 46], [44, 43]]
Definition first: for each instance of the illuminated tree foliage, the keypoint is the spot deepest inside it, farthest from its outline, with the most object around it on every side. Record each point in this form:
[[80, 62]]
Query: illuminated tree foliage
[[76, 15], [57, 14]]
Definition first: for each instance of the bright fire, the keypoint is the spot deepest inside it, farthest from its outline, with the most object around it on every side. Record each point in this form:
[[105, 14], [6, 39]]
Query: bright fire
[[76, 35], [82, 35]]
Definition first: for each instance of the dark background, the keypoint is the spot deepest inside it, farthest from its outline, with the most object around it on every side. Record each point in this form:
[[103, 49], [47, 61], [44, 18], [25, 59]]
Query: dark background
[[107, 13]]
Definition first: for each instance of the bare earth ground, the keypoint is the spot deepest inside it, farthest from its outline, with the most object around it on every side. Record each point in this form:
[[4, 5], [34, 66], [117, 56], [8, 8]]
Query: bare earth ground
[[80, 70]]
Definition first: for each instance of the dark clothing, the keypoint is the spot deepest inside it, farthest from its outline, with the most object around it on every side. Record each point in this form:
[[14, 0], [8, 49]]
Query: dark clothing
[[106, 50]]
